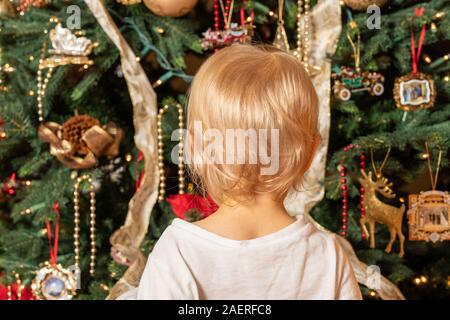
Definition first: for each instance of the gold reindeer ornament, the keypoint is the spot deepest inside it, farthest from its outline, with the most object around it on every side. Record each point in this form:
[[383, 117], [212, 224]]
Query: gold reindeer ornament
[[380, 212]]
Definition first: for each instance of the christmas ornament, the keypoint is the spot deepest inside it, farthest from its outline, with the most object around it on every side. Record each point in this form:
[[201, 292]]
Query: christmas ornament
[[67, 49], [191, 207], [429, 211], [80, 141], [7, 9], [348, 79], [281, 40], [53, 282], [344, 189], [24, 5], [170, 8], [231, 32], [379, 212], [181, 170], [362, 5], [416, 90], [92, 215]]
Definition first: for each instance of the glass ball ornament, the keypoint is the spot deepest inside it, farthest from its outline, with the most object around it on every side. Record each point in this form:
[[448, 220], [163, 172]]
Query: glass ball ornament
[[170, 8]]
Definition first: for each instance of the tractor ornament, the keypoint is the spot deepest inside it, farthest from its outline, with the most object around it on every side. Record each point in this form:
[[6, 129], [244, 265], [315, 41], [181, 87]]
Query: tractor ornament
[[348, 80]]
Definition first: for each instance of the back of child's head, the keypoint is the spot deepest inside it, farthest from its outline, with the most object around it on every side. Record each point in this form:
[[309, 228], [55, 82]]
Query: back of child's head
[[251, 88]]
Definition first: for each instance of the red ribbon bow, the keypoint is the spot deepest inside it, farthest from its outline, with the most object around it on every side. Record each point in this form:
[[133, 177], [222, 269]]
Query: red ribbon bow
[[182, 203], [416, 55]]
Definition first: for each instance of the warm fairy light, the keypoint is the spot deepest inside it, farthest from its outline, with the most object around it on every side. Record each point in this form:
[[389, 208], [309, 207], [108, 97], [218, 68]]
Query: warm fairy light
[[372, 293], [7, 68], [113, 274], [423, 279], [85, 66], [43, 232], [446, 78], [128, 157], [31, 93], [417, 281], [31, 58], [401, 199], [427, 58], [446, 57], [157, 83], [271, 13], [424, 155], [138, 59], [28, 183], [2, 135], [104, 287], [341, 2], [439, 15], [433, 26], [160, 30], [26, 212]]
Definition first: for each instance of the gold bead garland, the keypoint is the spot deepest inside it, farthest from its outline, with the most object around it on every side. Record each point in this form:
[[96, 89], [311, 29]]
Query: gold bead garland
[[181, 168], [76, 232], [42, 85], [19, 289], [303, 32]]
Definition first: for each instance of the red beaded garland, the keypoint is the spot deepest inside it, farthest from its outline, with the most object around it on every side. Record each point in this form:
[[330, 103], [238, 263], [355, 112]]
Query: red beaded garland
[[216, 15], [344, 189]]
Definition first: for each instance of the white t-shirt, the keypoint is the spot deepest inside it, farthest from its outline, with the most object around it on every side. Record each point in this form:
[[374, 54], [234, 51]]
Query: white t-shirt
[[296, 262]]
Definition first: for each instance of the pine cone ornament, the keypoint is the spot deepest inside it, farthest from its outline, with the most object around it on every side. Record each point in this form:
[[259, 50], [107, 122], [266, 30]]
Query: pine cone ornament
[[81, 141], [74, 129]]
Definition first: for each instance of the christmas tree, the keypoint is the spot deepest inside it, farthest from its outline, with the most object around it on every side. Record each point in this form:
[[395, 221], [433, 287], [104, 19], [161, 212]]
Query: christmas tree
[[68, 153]]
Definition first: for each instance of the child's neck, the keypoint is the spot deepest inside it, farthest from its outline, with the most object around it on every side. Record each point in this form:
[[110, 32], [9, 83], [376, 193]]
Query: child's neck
[[244, 221]]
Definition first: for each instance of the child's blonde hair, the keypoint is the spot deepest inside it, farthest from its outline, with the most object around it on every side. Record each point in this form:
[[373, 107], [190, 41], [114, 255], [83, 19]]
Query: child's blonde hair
[[259, 87]]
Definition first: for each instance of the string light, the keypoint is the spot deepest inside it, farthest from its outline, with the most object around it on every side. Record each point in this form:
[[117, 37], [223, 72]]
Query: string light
[[427, 58], [138, 59], [446, 78], [372, 293], [433, 26], [417, 281], [439, 15], [104, 287], [423, 279], [157, 83], [128, 157], [271, 13], [26, 212]]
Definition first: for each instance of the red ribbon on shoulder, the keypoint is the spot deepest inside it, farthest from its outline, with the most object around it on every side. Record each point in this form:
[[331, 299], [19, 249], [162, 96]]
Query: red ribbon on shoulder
[[418, 12]]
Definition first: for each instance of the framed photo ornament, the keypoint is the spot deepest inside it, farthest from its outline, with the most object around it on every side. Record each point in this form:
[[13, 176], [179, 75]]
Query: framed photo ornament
[[428, 216], [413, 92]]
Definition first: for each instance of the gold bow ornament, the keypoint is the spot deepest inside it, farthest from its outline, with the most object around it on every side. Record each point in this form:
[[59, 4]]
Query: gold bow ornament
[[81, 140]]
